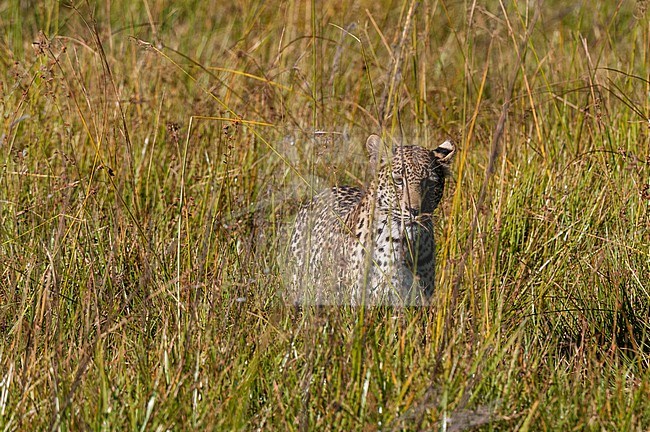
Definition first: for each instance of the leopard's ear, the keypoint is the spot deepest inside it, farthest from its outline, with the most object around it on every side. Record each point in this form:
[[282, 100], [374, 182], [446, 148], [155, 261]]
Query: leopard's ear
[[445, 152], [376, 150]]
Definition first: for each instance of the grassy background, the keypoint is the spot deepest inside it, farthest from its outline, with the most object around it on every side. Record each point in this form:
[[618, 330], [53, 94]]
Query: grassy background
[[150, 152]]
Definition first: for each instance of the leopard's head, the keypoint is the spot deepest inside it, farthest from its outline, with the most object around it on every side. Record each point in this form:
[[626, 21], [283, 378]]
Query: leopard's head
[[410, 179]]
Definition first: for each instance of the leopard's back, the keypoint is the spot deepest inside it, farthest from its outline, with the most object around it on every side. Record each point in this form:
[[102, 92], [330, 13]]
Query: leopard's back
[[318, 246]]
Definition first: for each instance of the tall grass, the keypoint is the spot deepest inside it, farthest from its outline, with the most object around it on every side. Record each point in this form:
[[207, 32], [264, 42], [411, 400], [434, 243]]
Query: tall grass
[[151, 153]]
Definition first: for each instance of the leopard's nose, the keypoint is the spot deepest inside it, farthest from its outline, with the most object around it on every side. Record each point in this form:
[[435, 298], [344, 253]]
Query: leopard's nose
[[413, 212]]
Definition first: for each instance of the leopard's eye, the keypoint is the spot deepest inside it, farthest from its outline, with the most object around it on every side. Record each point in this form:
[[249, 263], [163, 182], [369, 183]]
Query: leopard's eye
[[429, 182], [398, 179]]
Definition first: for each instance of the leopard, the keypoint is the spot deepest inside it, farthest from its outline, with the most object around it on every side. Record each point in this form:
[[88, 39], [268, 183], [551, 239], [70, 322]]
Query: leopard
[[373, 245]]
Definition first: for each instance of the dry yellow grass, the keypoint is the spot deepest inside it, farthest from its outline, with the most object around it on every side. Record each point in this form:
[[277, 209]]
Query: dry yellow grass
[[150, 153]]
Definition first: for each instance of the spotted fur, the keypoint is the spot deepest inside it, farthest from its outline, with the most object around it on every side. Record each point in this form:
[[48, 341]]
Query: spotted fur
[[372, 246]]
